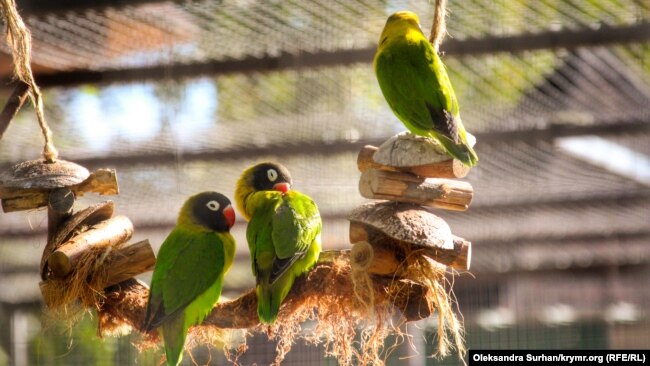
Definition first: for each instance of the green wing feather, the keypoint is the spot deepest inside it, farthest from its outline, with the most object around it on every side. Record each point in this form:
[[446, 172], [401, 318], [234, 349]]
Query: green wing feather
[[284, 237], [296, 224], [188, 263], [186, 283]]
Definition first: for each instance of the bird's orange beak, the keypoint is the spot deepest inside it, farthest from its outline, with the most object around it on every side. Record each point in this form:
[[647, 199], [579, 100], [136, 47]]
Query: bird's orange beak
[[229, 214], [282, 187]]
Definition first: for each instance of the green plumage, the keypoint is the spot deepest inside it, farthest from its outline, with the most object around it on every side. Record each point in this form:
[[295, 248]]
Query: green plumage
[[416, 86], [188, 277], [284, 240], [283, 233]]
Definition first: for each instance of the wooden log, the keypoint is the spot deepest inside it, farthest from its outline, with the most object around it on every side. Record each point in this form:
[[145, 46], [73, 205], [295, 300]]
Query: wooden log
[[129, 261], [77, 223], [59, 208], [434, 192], [14, 103], [102, 181], [392, 250], [383, 261], [451, 168], [109, 233]]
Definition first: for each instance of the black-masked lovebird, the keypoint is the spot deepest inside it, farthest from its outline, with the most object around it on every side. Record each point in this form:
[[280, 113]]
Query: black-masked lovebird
[[283, 233], [190, 267]]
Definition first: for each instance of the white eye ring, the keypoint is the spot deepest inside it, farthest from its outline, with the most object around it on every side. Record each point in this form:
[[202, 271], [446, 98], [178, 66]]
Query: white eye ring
[[272, 174], [213, 205]]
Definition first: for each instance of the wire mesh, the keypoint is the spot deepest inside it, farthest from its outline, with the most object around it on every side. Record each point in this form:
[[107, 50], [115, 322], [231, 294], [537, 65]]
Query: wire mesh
[[561, 243]]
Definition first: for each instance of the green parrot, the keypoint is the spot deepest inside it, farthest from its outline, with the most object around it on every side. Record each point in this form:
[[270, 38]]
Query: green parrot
[[415, 84], [283, 233], [190, 267]]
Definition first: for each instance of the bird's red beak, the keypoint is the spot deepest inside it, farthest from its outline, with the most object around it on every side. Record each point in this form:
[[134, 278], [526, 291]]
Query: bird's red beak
[[282, 187], [229, 214]]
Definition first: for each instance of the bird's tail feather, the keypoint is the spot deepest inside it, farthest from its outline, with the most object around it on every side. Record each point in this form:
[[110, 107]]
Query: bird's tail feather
[[461, 151], [270, 297], [174, 334]]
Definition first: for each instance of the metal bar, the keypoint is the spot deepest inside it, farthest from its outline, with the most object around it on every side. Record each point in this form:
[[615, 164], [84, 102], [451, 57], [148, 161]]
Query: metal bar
[[566, 38], [630, 199], [44, 7], [284, 61], [610, 128], [642, 233], [556, 130], [491, 44]]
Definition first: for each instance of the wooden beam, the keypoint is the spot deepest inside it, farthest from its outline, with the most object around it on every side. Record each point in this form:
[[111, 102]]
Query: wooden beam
[[14, 103]]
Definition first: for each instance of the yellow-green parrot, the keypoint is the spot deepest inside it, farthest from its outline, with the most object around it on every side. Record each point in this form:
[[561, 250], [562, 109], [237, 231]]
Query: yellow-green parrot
[[283, 233], [415, 84], [190, 267]]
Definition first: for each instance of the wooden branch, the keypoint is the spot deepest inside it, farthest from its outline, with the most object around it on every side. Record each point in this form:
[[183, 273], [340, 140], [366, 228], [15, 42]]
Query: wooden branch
[[109, 233], [451, 168], [434, 192], [59, 208], [124, 304], [14, 103], [102, 181], [129, 261], [325, 279], [330, 277]]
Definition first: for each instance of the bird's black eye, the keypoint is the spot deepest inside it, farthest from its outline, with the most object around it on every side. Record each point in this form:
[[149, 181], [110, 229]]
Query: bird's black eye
[[272, 174], [213, 205]]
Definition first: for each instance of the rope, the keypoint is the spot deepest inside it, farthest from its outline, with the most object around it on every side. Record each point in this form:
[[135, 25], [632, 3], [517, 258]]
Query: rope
[[20, 41], [438, 28]]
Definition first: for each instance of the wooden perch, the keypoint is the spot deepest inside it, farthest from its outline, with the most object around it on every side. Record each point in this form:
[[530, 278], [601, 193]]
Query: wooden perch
[[129, 261], [102, 181], [327, 278], [330, 277], [395, 230], [109, 233], [451, 168], [435, 192]]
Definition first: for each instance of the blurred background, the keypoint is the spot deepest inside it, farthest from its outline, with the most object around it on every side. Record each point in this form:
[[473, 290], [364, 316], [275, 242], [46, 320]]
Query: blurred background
[[181, 96]]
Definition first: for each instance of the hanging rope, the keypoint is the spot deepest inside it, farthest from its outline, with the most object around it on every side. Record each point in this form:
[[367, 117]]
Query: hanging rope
[[439, 27], [20, 41]]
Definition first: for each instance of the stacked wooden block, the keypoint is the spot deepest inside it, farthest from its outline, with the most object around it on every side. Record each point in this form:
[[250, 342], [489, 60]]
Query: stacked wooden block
[[411, 174]]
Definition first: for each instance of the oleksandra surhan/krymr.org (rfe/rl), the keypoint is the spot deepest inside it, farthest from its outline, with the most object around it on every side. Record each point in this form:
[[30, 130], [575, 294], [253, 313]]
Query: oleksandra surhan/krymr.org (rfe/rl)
[[558, 357]]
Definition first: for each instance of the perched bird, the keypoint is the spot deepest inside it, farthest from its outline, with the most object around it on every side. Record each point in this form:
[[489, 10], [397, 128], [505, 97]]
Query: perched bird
[[190, 267], [283, 233], [415, 84]]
